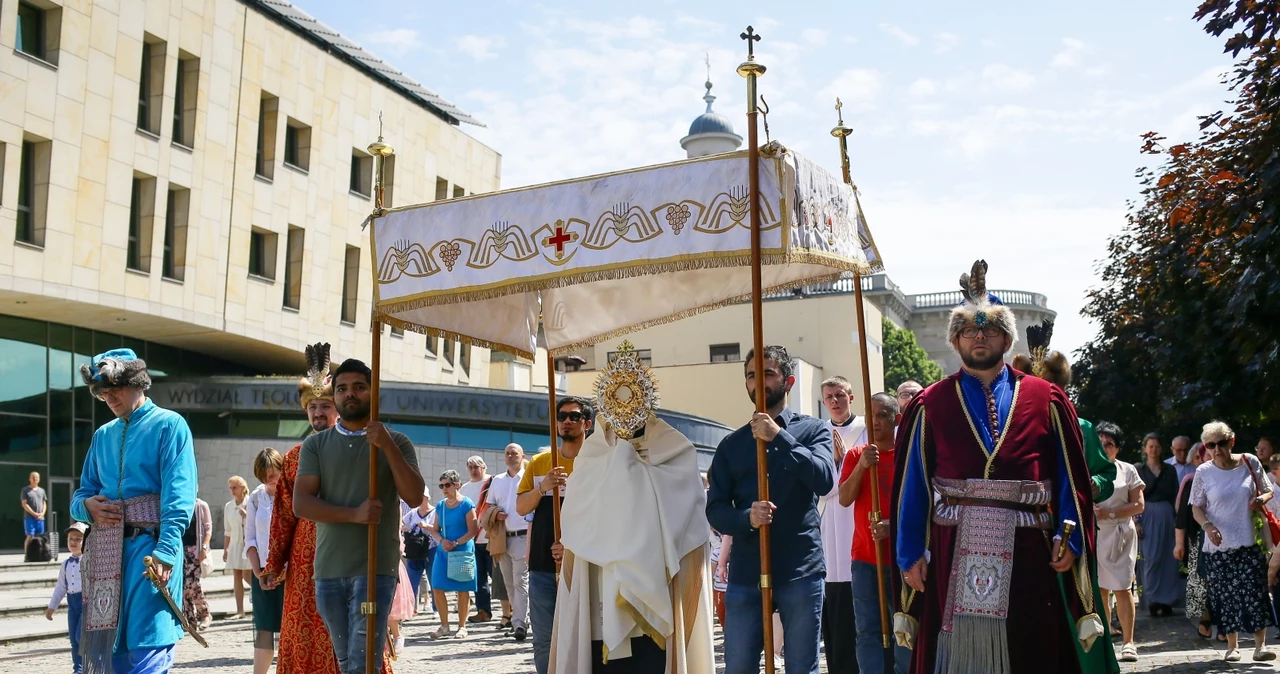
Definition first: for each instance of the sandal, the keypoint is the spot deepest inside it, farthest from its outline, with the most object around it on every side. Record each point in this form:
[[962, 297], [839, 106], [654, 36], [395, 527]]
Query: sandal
[[1261, 654], [1205, 630], [1222, 638], [1233, 655], [441, 632], [1129, 653], [461, 633]]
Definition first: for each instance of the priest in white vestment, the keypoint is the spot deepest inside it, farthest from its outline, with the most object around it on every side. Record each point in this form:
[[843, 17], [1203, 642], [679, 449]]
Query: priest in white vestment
[[634, 592]]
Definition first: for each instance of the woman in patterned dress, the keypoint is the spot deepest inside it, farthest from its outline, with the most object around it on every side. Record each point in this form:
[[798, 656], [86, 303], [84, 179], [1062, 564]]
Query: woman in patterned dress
[[195, 543], [1190, 538], [1226, 496]]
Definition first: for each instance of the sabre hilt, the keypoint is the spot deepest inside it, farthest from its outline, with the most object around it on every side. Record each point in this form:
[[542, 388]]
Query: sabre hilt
[[1068, 527]]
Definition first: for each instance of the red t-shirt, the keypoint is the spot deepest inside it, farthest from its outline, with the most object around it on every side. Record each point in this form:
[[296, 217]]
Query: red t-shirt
[[863, 549]]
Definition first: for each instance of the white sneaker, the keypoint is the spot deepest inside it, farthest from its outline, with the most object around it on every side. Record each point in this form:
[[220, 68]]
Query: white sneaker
[[1233, 655], [779, 665], [399, 644]]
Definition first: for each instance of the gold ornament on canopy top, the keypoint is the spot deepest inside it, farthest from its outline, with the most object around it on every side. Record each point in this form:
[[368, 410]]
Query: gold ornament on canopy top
[[626, 392]]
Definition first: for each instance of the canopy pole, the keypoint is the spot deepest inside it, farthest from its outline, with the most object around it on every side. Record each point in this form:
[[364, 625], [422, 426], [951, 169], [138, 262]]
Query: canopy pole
[[555, 448], [842, 132], [369, 608], [752, 70]]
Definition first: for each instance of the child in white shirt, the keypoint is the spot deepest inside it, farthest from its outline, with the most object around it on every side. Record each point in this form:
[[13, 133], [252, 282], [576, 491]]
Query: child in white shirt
[[69, 586]]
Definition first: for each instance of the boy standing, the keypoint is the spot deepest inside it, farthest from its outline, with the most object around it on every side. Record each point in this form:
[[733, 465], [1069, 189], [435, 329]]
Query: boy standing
[[69, 586]]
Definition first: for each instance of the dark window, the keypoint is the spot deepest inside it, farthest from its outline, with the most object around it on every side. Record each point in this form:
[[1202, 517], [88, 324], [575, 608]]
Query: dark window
[[265, 164], [176, 209], [27, 193], [350, 284], [464, 357], [293, 269], [297, 144], [184, 100], [458, 192], [442, 189], [431, 345], [361, 173], [258, 253], [480, 437], [725, 353], [133, 258], [448, 351], [150, 81], [30, 33]]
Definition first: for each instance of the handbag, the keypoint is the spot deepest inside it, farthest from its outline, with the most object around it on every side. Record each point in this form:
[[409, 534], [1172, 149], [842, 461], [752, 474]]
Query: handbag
[[461, 563], [415, 544], [1273, 522]]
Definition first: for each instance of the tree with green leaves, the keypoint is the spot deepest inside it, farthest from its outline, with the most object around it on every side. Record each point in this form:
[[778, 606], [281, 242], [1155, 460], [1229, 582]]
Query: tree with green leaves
[[1189, 307], [904, 359]]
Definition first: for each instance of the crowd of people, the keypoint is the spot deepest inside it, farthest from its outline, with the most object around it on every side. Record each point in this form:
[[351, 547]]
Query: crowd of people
[[976, 524]]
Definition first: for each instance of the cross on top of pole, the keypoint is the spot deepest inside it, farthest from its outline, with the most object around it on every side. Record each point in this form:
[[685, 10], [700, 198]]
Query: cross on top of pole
[[751, 38], [839, 114]]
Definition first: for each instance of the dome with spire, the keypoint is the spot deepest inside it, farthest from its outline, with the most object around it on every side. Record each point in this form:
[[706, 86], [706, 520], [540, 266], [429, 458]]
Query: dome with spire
[[710, 132]]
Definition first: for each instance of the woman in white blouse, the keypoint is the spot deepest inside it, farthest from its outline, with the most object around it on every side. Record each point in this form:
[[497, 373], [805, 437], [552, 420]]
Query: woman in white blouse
[[1118, 539], [1226, 497], [267, 591], [233, 515]]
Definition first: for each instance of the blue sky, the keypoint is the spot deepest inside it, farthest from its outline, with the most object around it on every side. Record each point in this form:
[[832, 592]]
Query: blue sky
[[1009, 134]]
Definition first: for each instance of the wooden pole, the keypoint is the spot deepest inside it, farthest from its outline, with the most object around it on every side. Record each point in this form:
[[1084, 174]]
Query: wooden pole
[[555, 445], [752, 71], [842, 132], [369, 608]]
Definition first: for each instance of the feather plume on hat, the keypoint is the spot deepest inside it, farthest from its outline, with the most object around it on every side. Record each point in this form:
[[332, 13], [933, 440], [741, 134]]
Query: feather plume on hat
[[1051, 366], [980, 307], [316, 384]]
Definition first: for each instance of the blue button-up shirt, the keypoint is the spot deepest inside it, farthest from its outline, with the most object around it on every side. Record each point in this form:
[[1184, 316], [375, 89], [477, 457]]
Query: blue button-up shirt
[[801, 469]]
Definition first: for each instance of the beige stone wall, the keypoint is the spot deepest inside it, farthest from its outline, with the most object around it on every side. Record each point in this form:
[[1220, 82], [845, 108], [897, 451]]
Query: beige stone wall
[[821, 332], [86, 105]]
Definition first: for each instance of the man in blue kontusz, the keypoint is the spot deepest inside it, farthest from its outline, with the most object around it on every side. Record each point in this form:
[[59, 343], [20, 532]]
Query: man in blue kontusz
[[800, 470], [138, 488]]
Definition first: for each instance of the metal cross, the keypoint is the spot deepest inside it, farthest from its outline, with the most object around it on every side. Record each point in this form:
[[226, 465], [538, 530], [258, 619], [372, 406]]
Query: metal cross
[[838, 113], [379, 125], [751, 38]]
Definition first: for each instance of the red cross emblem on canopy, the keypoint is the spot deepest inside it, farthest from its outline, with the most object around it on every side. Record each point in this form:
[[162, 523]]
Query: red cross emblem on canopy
[[559, 239]]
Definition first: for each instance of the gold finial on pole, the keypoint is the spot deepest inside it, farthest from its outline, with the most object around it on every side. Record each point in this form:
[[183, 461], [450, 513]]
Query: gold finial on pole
[[380, 152], [841, 131]]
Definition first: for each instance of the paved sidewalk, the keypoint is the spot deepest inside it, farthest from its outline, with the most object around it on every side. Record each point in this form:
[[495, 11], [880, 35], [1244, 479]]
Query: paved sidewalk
[[1171, 645]]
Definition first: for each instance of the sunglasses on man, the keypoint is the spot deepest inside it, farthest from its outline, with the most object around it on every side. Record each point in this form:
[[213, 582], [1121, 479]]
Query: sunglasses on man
[[570, 416]]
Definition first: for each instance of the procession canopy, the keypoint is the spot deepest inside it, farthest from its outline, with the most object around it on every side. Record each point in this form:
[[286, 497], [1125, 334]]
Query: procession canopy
[[601, 256]]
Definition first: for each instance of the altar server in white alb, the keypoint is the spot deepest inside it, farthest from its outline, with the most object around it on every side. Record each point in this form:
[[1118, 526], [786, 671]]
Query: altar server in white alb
[[633, 598]]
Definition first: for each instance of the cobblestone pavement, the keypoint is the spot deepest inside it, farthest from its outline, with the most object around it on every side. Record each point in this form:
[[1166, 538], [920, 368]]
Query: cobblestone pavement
[[1167, 645]]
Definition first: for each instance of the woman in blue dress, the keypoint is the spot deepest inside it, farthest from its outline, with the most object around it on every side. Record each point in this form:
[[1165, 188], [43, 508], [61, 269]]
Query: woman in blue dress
[[454, 531]]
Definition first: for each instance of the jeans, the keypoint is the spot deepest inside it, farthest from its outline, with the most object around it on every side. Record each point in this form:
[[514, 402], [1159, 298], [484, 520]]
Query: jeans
[[417, 569], [542, 611], [866, 611], [143, 661], [514, 569], [798, 602], [338, 603], [484, 566], [75, 609]]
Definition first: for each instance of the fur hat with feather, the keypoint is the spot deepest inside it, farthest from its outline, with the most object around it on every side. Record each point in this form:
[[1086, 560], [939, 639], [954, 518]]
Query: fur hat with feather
[[980, 308], [1051, 366], [316, 384], [118, 368]]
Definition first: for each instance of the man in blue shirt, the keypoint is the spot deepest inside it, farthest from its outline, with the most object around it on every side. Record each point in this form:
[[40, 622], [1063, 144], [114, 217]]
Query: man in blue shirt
[[800, 469]]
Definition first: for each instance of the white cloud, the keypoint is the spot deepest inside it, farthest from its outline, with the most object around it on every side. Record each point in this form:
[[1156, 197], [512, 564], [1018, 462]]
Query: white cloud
[[1071, 56], [907, 39], [858, 88], [1000, 77], [944, 42], [479, 47], [814, 37], [397, 41], [923, 87]]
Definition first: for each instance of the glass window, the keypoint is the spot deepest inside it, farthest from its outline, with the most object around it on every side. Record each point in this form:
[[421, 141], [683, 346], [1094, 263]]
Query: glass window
[[30, 33], [83, 437], [255, 426], [531, 442], [26, 231], [62, 437], [23, 366], [163, 361], [423, 434], [11, 518], [62, 374], [206, 424], [104, 342], [294, 428], [481, 437], [23, 439]]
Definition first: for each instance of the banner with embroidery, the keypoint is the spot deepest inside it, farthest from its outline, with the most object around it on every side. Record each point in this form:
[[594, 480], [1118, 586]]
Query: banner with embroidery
[[567, 250]]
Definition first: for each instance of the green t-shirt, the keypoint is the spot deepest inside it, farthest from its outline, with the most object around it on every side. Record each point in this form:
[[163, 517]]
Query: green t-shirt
[[342, 464]]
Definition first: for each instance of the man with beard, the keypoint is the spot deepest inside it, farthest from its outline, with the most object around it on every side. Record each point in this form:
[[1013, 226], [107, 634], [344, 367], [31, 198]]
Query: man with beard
[[575, 417], [800, 471], [332, 489], [989, 471], [305, 647]]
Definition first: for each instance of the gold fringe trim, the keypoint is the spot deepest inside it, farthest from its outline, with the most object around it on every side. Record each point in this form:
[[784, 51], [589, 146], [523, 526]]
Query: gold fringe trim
[[399, 324], [648, 629]]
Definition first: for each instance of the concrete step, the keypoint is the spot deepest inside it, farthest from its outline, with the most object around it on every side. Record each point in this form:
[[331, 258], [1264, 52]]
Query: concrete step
[[34, 601], [32, 628], [15, 575]]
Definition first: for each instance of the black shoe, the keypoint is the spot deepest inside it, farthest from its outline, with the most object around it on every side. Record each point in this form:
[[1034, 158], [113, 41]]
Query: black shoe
[[1155, 610], [1166, 611], [521, 634]]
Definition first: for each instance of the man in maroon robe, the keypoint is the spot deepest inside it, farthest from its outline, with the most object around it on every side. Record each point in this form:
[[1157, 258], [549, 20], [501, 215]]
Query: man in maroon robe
[[991, 503]]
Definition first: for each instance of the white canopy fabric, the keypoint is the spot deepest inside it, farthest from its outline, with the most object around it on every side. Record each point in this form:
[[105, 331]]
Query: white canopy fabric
[[601, 256]]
